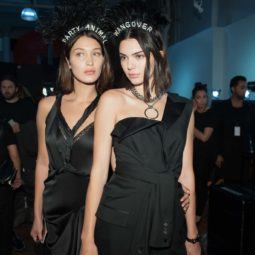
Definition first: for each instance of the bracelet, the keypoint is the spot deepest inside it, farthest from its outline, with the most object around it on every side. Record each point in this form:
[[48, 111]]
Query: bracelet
[[195, 240]]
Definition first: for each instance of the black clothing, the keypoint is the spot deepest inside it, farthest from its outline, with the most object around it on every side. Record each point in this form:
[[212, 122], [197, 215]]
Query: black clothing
[[140, 211], [235, 133], [203, 120], [6, 193], [6, 138], [21, 111], [203, 158], [6, 219], [27, 141], [70, 161]]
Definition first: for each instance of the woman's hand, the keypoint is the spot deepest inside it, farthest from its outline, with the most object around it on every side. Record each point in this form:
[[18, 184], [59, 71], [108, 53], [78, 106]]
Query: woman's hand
[[17, 182], [185, 200], [38, 231], [193, 249], [88, 249]]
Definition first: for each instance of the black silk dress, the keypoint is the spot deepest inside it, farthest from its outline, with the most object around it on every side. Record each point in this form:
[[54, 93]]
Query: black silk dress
[[140, 210], [70, 161]]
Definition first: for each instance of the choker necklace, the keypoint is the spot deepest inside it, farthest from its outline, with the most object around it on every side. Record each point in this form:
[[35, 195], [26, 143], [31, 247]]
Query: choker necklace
[[150, 105]]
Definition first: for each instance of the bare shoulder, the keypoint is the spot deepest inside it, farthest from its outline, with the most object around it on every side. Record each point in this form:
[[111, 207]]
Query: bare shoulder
[[113, 97], [45, 105]]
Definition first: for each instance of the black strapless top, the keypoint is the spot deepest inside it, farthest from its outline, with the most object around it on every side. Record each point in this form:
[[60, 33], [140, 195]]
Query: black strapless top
[[143, 193]]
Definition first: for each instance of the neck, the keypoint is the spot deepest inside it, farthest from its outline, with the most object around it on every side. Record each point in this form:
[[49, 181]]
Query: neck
[[82, 91], [236, 102], [139, 88], [13, 100]]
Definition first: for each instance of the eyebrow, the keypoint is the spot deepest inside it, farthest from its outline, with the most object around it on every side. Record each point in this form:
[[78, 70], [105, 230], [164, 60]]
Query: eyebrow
[[132, 54], [84, 49]]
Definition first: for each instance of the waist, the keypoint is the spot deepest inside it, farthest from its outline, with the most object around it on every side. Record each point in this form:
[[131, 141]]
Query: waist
[[143, 173], [66, 168]]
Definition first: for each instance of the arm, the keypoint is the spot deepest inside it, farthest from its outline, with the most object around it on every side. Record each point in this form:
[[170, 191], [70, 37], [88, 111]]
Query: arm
[[187, 179], [41, 171], [104, 124], [14, 156], [203, 136]]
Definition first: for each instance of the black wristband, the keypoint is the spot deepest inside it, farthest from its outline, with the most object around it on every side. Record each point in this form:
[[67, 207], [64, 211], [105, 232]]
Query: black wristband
[[195, 240]]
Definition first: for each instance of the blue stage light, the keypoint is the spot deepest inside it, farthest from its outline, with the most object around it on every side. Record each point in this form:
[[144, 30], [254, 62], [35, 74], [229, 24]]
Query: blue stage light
[[29, 14], [216, 94], [247, 94]]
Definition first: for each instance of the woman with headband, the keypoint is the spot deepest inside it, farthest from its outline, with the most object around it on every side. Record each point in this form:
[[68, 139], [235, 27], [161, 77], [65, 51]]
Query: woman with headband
[[151, 131], [66, 126]]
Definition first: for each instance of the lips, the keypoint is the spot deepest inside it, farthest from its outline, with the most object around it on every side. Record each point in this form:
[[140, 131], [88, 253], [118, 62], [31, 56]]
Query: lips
[[133, 75], [90, 72]]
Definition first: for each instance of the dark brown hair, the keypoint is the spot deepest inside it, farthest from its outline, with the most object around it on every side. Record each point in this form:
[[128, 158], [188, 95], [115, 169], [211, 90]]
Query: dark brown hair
[[65, 76], [9, 77], [199, 87], [151, 43]]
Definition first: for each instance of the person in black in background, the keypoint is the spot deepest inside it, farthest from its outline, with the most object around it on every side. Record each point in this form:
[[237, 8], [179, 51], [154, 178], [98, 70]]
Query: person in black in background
[[20, 114], [235, 132], [8, 152], [203, 155], [14, 110]]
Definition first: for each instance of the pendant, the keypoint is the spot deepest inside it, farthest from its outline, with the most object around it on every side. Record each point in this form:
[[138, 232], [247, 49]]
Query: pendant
[[153, 111]]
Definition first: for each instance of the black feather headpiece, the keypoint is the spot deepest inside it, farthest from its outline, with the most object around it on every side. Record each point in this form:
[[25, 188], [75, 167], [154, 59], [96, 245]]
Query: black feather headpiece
[[133, 14], [70, 17]]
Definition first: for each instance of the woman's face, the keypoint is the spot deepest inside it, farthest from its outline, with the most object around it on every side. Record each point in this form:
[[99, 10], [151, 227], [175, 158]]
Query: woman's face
[[86, 60], [133, 61], [201, 99]]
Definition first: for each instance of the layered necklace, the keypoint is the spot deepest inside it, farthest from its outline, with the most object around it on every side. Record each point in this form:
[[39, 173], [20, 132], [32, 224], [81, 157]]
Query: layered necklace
[[150, 112]]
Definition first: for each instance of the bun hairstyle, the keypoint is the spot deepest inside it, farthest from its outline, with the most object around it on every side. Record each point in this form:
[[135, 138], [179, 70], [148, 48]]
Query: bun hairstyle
[[198, 86], [134, 20], [70, 20]]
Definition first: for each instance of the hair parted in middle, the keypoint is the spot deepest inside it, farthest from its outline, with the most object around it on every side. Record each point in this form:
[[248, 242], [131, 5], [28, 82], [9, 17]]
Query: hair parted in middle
[[72, 19], [199, 86], [133, 20]]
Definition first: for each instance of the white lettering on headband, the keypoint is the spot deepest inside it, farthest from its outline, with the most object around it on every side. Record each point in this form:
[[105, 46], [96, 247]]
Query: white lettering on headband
[[132, 24], [89, 27]]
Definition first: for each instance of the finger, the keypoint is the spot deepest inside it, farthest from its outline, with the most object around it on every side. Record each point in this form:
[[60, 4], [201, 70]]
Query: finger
[[185, 205], [39, 235], [34, 237], [184, 197]]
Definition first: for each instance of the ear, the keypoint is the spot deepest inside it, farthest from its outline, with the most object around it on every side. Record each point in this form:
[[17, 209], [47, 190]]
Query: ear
[[68, 63], [162, 53]]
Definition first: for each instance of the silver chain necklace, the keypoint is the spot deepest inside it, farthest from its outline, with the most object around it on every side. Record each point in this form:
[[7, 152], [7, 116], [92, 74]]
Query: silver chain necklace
[[150, 104]]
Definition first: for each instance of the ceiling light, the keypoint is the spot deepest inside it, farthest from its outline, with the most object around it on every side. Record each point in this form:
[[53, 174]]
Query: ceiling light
[[29, 14]]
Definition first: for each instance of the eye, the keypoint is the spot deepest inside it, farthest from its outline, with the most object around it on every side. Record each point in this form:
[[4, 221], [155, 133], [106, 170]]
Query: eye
[[80, 54], [139, 56], [122, 58], [97, 54]]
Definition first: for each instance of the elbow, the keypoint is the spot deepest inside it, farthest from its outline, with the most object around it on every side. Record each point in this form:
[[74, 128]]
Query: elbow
[[187, 179]]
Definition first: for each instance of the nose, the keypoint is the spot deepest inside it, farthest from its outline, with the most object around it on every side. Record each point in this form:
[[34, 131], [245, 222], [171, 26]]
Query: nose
[[89, 60], [130, 64]]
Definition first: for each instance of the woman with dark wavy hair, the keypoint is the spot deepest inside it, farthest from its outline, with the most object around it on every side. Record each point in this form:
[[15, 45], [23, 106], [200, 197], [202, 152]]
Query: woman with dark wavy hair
[[66, 126], [204, 155], [138, 211]]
